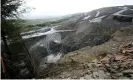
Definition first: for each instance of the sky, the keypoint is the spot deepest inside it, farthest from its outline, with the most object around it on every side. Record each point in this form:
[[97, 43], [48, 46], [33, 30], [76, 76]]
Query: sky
[[54, 8]]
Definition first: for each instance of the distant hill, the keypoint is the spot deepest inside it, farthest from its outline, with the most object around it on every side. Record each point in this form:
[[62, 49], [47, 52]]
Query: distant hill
[[41, 21], [95, 27]]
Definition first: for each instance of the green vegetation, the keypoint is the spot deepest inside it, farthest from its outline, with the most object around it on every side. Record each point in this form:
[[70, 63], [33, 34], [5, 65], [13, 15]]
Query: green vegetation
[[52, 23], [12, 43], [12, 29], [45, 24], [48, 22], [27, 28]]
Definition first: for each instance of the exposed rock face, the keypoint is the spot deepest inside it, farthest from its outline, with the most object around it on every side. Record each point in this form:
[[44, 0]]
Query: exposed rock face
[[106, 61]]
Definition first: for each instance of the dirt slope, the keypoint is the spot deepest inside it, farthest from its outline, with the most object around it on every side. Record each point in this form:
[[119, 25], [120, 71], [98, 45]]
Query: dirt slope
[[85, 62]]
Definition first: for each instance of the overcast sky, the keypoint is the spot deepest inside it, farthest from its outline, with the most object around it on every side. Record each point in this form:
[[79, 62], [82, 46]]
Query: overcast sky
[[51, 8]]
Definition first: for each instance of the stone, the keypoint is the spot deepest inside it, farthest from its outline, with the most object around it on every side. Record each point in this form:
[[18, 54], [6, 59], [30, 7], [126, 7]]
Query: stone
[[74, 77], [108, 74], [107, 65], [118, 57], [118, 74], [115, 67], [95, 75], [88, 76], [92, 66], [88, 72], [105, 60], [99, 65], [95, 61], [112, 59], [123, 78], [132, 62], [102, 74], [111, 70], [127, 51], [81, 77], [128, 45], [128, 71]]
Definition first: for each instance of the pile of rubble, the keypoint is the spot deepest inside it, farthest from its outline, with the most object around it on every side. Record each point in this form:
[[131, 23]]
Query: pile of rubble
[[113, 66], [107, 66]]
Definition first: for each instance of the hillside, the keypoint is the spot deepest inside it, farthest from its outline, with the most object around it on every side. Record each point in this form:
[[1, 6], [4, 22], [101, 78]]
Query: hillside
[[89, 35], [91, 62], [95, 27], [96, 33]]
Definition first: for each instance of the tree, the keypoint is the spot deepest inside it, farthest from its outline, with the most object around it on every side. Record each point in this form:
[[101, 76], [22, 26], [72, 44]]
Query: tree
[[10, 27], [8, 10]]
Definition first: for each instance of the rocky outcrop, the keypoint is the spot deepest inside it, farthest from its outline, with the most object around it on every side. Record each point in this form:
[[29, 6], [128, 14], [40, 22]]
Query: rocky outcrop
[[110, 60]]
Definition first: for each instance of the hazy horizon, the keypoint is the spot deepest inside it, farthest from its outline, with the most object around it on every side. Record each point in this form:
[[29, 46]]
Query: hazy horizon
[[55, 8]]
